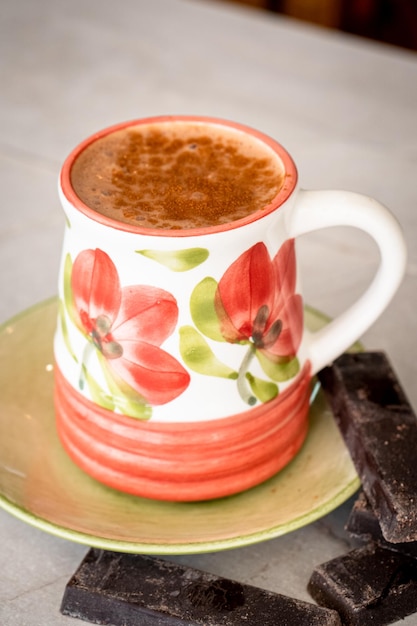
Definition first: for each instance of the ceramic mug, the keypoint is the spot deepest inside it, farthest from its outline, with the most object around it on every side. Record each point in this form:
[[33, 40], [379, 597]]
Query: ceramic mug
[[182, 365]]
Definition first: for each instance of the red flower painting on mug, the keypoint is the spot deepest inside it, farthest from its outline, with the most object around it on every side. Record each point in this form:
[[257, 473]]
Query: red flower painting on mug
[[256, 302], [254, 306], [127, 325]]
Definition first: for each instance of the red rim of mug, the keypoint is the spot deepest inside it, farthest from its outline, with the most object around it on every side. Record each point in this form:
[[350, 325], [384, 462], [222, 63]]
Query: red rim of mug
[[290, 180]]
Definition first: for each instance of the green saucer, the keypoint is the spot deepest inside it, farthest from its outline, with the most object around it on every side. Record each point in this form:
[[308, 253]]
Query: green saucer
[[40, 485]]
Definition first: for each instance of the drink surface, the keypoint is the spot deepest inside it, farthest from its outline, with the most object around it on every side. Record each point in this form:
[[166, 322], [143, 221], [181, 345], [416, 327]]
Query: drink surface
[[177, 175]]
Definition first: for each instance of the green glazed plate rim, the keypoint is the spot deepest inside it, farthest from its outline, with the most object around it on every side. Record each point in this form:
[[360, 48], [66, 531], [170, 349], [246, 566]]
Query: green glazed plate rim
[[41, 486]]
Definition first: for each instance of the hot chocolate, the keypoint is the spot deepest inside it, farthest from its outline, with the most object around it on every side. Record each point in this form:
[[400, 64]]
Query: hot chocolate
[[177, 175]]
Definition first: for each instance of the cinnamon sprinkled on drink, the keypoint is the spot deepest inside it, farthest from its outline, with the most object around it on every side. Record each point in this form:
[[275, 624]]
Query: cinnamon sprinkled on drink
[[177, 176]]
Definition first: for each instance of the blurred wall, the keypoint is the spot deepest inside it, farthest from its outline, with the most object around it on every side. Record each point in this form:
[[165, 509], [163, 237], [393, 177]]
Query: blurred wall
[[390, 21]]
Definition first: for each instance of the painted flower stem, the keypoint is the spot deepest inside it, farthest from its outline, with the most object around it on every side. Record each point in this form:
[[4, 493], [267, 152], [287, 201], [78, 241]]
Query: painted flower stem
[[87, 352], [242, 383]]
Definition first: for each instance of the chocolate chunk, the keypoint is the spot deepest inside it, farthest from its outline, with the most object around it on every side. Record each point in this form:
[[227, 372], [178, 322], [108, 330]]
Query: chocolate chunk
[[370, 586], [363, 525], [126, 590], [380, 431]]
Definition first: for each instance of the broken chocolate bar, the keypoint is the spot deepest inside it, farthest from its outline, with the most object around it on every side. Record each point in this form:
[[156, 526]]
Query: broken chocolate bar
[[126, 590], [370, 586], [380, 430], [363, 525], [362, 522]]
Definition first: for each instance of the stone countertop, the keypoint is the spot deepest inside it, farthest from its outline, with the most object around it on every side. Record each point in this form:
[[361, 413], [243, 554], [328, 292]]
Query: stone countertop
[[344, 107]]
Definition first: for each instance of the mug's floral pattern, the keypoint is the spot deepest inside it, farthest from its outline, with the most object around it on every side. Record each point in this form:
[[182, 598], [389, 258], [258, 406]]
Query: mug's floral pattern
[[253, 305], [256, 302], [126, 326]]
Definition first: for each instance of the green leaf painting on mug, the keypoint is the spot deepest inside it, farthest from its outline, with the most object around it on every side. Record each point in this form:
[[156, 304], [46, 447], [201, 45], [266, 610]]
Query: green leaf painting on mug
[[264, 390], [199, 357], [177, 260], [64, 330], [68, 297], [203, 309], [280, 370], [98, 395]]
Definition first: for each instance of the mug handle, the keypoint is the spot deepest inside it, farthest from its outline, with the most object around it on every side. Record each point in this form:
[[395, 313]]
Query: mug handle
[[314, 210]]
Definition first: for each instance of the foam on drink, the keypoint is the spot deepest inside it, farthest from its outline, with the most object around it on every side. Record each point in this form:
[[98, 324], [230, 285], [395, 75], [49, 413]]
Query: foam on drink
[[177, 175]]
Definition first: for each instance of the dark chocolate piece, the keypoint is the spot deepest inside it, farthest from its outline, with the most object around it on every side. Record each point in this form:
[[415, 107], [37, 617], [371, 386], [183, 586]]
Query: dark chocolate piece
[[126, 590], [369, 586], [363, 525], [380, 431]]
